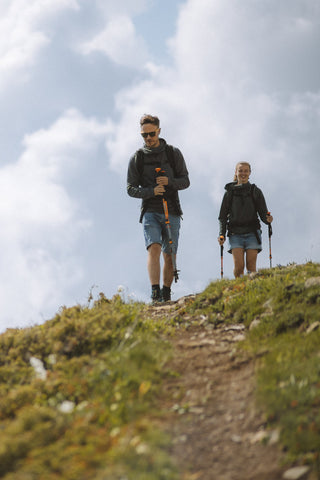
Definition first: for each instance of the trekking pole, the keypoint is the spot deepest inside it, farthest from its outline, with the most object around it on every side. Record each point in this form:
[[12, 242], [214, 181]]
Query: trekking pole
[[166, 214], [270, 233], [221, 256]]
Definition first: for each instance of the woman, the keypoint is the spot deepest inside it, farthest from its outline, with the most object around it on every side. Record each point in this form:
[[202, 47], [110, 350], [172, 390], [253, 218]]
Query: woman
[[241, 203]]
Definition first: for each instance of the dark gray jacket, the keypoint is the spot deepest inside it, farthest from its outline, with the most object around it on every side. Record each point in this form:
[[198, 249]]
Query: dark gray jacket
[[142, 185], [239, 209]]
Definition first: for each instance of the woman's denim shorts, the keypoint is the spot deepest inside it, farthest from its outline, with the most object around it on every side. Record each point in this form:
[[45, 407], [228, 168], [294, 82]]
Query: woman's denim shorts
[[247, 241], [155, 230]]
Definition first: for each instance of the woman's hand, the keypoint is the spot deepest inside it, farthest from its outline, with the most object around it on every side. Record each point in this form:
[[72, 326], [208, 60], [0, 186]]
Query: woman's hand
[[269, 217], [221, 240]]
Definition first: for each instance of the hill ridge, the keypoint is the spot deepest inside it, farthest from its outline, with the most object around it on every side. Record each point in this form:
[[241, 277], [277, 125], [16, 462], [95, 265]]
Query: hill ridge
[[211, 386]]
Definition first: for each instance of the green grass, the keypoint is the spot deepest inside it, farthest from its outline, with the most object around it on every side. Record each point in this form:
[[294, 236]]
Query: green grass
[[94, 415], [287, 353], [108, 364]]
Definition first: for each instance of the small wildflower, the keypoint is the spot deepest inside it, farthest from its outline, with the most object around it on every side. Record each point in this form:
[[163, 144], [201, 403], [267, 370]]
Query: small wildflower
[[38, 367]]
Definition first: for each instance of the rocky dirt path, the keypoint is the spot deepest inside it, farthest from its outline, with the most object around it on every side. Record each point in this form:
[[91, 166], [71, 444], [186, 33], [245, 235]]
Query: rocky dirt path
[[218, 432]]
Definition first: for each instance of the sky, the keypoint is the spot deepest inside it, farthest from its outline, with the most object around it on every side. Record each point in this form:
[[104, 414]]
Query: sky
[[230, 81]]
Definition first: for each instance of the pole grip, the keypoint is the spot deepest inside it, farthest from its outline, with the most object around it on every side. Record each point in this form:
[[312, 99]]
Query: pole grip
[[270, 233], [269, 226], [221, 257]]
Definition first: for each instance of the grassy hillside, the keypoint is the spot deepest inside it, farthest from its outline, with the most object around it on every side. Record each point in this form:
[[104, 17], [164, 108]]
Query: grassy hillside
[[83, 413], [281, 310], [78, 394]]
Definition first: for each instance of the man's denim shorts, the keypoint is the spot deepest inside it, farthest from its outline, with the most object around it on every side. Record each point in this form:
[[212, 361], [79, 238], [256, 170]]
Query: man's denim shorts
[[247, 241], [156, 231]]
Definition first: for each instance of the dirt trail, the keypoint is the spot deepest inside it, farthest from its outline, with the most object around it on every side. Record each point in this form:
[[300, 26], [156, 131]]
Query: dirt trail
[[218, 432]]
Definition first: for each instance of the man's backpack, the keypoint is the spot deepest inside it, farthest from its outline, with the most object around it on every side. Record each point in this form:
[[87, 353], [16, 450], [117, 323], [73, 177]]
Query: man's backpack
[[170, 157]]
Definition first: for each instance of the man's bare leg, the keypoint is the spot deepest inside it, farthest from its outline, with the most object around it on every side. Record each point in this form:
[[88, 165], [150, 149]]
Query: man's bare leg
[[153, 263], [167, 270]]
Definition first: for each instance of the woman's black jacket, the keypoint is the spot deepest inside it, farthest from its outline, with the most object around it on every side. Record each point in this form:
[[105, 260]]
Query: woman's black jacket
[[240, 207]]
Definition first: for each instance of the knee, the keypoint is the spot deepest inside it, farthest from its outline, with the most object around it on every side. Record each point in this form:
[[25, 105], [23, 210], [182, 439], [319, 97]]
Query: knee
[[154, 250], [238, 266], [251, 261], [251, 267], [238, 272], [167, 257], [168, 264]]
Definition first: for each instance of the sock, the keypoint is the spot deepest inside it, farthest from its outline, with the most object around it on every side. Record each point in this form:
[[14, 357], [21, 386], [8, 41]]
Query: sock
[[156, 293], [166, 293]]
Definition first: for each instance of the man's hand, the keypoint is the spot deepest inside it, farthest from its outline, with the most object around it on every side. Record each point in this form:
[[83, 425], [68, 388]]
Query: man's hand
[[159, 190], [162, 180], [269, 218]]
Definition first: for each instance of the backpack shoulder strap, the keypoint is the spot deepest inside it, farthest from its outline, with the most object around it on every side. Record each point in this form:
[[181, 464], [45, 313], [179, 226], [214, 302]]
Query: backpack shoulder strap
[[230, 198], [252, 193], [139, 157], [170, 156]]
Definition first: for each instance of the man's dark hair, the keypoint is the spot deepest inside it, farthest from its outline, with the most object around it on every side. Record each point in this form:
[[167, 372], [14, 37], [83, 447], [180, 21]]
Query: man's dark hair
[[149, 119]]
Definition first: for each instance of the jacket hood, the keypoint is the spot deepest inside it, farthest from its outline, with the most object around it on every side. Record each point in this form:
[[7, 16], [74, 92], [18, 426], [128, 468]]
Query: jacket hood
[[160, 148]]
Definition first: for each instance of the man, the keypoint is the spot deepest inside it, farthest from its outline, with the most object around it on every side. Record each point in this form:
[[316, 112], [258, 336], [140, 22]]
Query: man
[[157, 172]]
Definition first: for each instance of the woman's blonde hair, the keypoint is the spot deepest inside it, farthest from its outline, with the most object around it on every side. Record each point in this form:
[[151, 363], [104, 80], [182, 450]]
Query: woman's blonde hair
[[240, 163]]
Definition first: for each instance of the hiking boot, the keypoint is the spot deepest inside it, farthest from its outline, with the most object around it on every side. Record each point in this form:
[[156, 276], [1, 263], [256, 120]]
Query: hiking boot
[[166, 294], [156, 296]]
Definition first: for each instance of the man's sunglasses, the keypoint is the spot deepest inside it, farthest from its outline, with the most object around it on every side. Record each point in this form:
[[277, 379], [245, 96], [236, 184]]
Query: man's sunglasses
[[152, 134]]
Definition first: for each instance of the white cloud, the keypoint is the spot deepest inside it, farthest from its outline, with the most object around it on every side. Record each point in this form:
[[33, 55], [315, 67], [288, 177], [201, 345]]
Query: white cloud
[[110, 8], [242, 82], [40, 220], [244, 85], [23, 34], [120, 42], [222, 93]]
